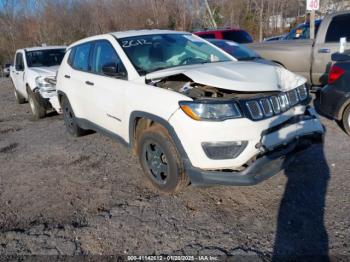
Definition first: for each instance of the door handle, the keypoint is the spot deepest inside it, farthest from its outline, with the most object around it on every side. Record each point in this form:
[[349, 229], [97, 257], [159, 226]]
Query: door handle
[[324, 51], [67, 76], [89, 83]]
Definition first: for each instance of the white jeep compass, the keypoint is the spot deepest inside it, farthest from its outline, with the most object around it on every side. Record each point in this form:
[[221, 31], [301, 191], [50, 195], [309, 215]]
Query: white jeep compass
[[191, 112]]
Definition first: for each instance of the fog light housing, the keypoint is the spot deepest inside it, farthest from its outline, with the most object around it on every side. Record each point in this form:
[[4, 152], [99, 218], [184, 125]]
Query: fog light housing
[[224, 150]]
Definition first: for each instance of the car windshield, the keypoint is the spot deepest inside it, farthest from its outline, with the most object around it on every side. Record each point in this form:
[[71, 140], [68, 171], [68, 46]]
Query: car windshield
[[43, 58], [238, 51], [150, 53]]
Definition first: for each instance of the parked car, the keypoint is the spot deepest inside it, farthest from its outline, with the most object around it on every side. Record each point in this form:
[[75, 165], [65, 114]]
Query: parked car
[[190, 112], [274, 38], [236, 35], [238, 51], [335, 97], [34, 78], [7, 70], [309, 58]]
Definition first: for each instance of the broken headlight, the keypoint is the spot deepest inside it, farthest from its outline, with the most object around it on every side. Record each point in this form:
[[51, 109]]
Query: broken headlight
[[207, 110], [45, 83]]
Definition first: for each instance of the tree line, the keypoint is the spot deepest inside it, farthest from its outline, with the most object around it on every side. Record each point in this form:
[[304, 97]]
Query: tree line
[[26, 23]]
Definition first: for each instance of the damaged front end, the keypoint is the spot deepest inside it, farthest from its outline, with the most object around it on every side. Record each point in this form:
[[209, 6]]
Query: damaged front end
[[46, 92], [225, 104]]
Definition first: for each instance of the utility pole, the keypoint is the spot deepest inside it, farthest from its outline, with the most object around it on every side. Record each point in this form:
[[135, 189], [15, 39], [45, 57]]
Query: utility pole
[[312, 6], [312, 25], [261, 21]]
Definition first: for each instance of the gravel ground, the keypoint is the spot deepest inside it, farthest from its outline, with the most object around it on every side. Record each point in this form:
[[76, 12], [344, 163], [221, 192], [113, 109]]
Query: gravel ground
[[72, 196]]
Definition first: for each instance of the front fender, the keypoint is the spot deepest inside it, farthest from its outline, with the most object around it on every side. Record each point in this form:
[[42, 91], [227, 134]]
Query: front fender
[[140, 114]]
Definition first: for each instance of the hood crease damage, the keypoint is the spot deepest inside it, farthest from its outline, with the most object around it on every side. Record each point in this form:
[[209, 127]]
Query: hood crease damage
[[225, 80]]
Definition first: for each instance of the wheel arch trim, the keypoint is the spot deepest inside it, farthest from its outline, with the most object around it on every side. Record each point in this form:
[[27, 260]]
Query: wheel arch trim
[[141, 114]]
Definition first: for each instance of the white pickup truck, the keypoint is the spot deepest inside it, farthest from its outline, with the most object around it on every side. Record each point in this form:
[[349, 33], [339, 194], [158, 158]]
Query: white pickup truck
[[34, 77]]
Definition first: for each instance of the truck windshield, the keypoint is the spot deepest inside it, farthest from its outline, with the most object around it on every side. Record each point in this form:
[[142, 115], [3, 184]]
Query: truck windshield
[[149, 53], [301, 32], [43, 58]]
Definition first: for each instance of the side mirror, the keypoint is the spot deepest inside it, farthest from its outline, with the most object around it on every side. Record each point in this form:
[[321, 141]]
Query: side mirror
[[114, 70]]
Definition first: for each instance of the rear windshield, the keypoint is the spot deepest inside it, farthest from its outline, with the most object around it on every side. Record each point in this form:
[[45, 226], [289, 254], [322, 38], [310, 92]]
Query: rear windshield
[[241, 37], [44, 58]]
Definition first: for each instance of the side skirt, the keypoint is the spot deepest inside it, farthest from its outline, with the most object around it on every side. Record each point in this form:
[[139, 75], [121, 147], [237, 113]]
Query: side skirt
[[88, 125]]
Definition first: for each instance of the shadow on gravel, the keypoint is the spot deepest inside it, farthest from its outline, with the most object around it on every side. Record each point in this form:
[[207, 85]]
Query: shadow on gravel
[[301, 233]]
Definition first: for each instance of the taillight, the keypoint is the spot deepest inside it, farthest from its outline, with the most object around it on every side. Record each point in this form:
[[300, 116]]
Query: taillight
[[335, 73]]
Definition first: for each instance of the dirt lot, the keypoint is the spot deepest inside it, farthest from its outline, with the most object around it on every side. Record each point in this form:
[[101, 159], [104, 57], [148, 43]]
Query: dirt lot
[[64, 195]]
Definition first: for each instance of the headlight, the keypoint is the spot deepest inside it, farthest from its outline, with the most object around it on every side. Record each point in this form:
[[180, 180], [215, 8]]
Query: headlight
[[45, 83], [303, 92], [210, 110]]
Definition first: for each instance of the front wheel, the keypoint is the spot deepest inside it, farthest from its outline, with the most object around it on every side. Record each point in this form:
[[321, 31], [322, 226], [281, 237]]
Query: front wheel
[[160, 160], [19, 98], [346, 120], [37, 108]]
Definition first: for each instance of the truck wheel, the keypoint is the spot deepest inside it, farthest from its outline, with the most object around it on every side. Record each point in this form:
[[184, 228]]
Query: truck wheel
[[19, 98], [346, 120], [70, 120], [38, 110], [160, 160]]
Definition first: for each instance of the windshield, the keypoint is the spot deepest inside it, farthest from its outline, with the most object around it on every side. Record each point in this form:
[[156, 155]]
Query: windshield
[[238, 51], [43, 58], [301, 32], [150, 53]]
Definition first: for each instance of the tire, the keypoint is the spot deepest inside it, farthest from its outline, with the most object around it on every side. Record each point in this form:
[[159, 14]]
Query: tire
[[346, 120], [160, 160], [70, 120], [37, 108], [19, 98]]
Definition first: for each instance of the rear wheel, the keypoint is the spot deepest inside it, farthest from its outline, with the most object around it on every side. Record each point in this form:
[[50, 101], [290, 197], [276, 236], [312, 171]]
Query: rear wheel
[[38, 109], [160, 160], [346, 120], [70, 120]]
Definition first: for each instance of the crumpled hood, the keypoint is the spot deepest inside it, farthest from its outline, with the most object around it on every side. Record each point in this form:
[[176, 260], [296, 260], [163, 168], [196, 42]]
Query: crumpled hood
[[45, 71], [237, 76]]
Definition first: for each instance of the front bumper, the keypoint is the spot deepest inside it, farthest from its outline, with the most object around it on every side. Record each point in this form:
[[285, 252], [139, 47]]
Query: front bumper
[[271, 145], [260, 136], [48, 98], [263, 168]]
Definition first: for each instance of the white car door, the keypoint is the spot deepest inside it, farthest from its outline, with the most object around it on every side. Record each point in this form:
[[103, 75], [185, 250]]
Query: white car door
[[75, 79], [18, 74], [108, 82]]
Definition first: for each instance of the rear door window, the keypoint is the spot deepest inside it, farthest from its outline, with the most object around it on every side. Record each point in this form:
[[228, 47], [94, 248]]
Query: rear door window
[[237, 36], [207, 35], [82, 57], [339, 27]]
